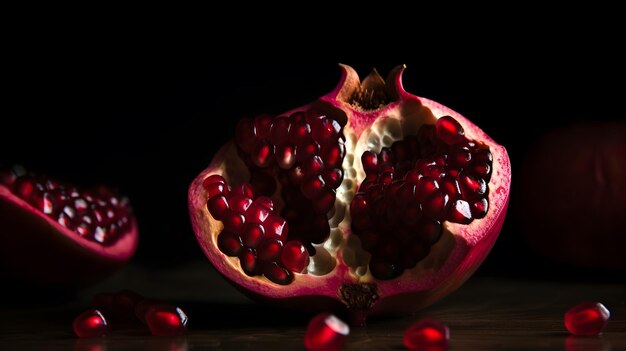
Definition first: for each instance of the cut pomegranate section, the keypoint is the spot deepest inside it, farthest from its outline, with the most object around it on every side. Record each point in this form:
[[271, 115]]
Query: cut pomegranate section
[[369, 198], [81, 234]]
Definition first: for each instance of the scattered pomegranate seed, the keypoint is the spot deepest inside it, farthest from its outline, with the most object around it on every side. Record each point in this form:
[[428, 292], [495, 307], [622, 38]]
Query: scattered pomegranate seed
[[326, 332], [426, 334], [166, 320], [587, 318], [90, 324]]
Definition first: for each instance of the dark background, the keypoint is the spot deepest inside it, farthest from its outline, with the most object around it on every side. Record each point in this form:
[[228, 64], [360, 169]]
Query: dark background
[[148, 128]]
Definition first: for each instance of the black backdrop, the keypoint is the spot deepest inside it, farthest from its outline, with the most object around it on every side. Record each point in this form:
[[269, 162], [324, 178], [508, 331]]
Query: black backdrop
[[148, 129]]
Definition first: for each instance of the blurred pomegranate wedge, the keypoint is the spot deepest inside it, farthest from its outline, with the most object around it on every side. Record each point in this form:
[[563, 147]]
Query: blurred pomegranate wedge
[[58, 235], [369, 199]]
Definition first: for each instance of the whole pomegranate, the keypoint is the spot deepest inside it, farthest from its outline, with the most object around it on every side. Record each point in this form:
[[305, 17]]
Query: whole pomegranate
[[577, 222], [369, 199], [59, 235]]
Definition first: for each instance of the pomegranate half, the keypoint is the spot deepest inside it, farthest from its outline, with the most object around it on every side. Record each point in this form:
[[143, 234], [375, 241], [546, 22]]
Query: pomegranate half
[[59, 235], [369, 198]]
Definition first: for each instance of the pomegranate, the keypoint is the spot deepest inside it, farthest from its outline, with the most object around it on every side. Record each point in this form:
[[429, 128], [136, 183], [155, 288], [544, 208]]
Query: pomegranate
[[58, 234], [369, 199], [585, 165]]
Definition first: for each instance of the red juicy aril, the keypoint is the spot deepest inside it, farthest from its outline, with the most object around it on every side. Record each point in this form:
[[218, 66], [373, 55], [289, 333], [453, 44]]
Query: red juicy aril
[[55, 233], [369, 198]]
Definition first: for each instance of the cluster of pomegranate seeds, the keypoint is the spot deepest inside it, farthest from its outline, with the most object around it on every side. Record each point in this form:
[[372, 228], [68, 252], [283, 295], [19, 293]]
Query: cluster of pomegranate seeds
[[90, 324], [427, 334], [587, 318], [305, 152], [413, 186], [326, 332], [126, 306], [97, 214], [254, 232]]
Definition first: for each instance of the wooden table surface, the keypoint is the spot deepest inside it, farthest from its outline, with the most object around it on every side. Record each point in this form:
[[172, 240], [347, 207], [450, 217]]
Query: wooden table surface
[[484, 314]]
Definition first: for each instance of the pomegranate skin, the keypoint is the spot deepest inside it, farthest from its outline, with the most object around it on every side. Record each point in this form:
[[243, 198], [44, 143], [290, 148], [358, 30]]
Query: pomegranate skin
[[452, 259], [584, 166], [60, 258]]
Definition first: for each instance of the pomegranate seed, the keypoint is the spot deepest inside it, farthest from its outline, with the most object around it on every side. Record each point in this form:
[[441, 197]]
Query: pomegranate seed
[[326, 332], [449, 130], [166, 320], [277, 274], [313, 166], [270, 250], [276, 227], [216, 188], [333, 154], [249, 262], [358, 205], [262, 154], [299, 132], [90, 324], [472, 186], [460, 212], [369, 161], [229, 243], [587, 318], [285, 156], [436, 204], [480, 208], [425, 334], [307, 150], [218, 207], [294, 256], [252, 235], [239, 203], [262, 126], [327, 129], [233, 221], [214, 178], [279, 132], [333, 177], [325, 201], [312, 186]]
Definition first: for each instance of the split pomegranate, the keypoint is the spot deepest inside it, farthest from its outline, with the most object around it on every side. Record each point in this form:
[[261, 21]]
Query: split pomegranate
[[587, 318], [90, 324], [55, 233], [369, 198], [326, 332]]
